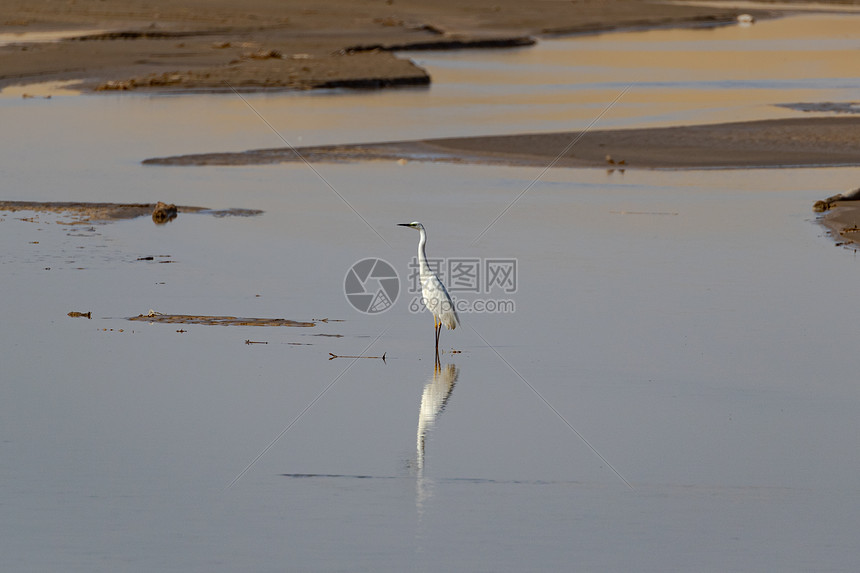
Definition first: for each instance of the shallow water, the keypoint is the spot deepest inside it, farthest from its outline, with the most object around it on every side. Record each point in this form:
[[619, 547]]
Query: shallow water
[[685, 332]]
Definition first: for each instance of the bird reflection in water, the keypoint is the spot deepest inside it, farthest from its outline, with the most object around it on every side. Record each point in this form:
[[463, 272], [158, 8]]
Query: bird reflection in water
[[435, 397]]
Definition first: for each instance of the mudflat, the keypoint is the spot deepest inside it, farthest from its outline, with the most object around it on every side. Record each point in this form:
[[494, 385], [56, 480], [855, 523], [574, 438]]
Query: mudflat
[[210, 45]]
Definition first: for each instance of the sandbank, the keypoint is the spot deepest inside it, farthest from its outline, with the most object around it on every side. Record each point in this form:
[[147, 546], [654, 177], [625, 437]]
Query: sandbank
[[798, 142], [212, 45]]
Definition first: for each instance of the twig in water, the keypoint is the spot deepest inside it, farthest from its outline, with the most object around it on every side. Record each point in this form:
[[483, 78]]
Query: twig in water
[[332, 356]]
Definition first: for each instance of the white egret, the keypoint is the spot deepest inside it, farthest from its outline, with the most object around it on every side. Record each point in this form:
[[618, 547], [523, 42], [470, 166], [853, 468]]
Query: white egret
[[434, 294]]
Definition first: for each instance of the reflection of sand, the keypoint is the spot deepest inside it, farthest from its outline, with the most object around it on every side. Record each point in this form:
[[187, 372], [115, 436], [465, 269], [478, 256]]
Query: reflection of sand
[[200, 44], [772, 143]]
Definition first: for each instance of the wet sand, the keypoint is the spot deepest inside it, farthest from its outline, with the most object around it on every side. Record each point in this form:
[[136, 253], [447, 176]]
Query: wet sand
[[827, 141], [218, 320], [843, 223], [190, 45], [87, 212]]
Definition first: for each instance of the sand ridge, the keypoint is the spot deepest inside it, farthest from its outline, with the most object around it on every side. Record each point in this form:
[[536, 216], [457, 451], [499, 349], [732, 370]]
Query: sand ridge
[[816, 141]]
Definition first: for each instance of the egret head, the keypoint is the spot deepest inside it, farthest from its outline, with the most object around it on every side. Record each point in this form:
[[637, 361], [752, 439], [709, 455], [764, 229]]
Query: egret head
[[413, 225]]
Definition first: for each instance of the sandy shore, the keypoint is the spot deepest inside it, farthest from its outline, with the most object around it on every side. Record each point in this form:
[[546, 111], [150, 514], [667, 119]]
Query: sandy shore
[[191, 45], [798, 142], [843, 222]]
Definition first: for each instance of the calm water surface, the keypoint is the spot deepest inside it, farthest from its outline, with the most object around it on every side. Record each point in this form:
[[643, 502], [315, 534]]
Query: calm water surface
[[686, 333]]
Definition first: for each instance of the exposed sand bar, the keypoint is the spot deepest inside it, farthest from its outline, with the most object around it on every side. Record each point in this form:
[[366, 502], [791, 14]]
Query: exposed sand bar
[[843, 222], [193, 45], [82, 212], [219, 320], [829, 141]]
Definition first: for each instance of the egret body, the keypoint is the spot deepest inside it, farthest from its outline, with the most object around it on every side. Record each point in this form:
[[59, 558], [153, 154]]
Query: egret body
[[434, 294]]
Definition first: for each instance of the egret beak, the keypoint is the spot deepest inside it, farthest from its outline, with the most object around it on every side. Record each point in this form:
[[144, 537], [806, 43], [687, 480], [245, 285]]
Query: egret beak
[[404, 224]]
